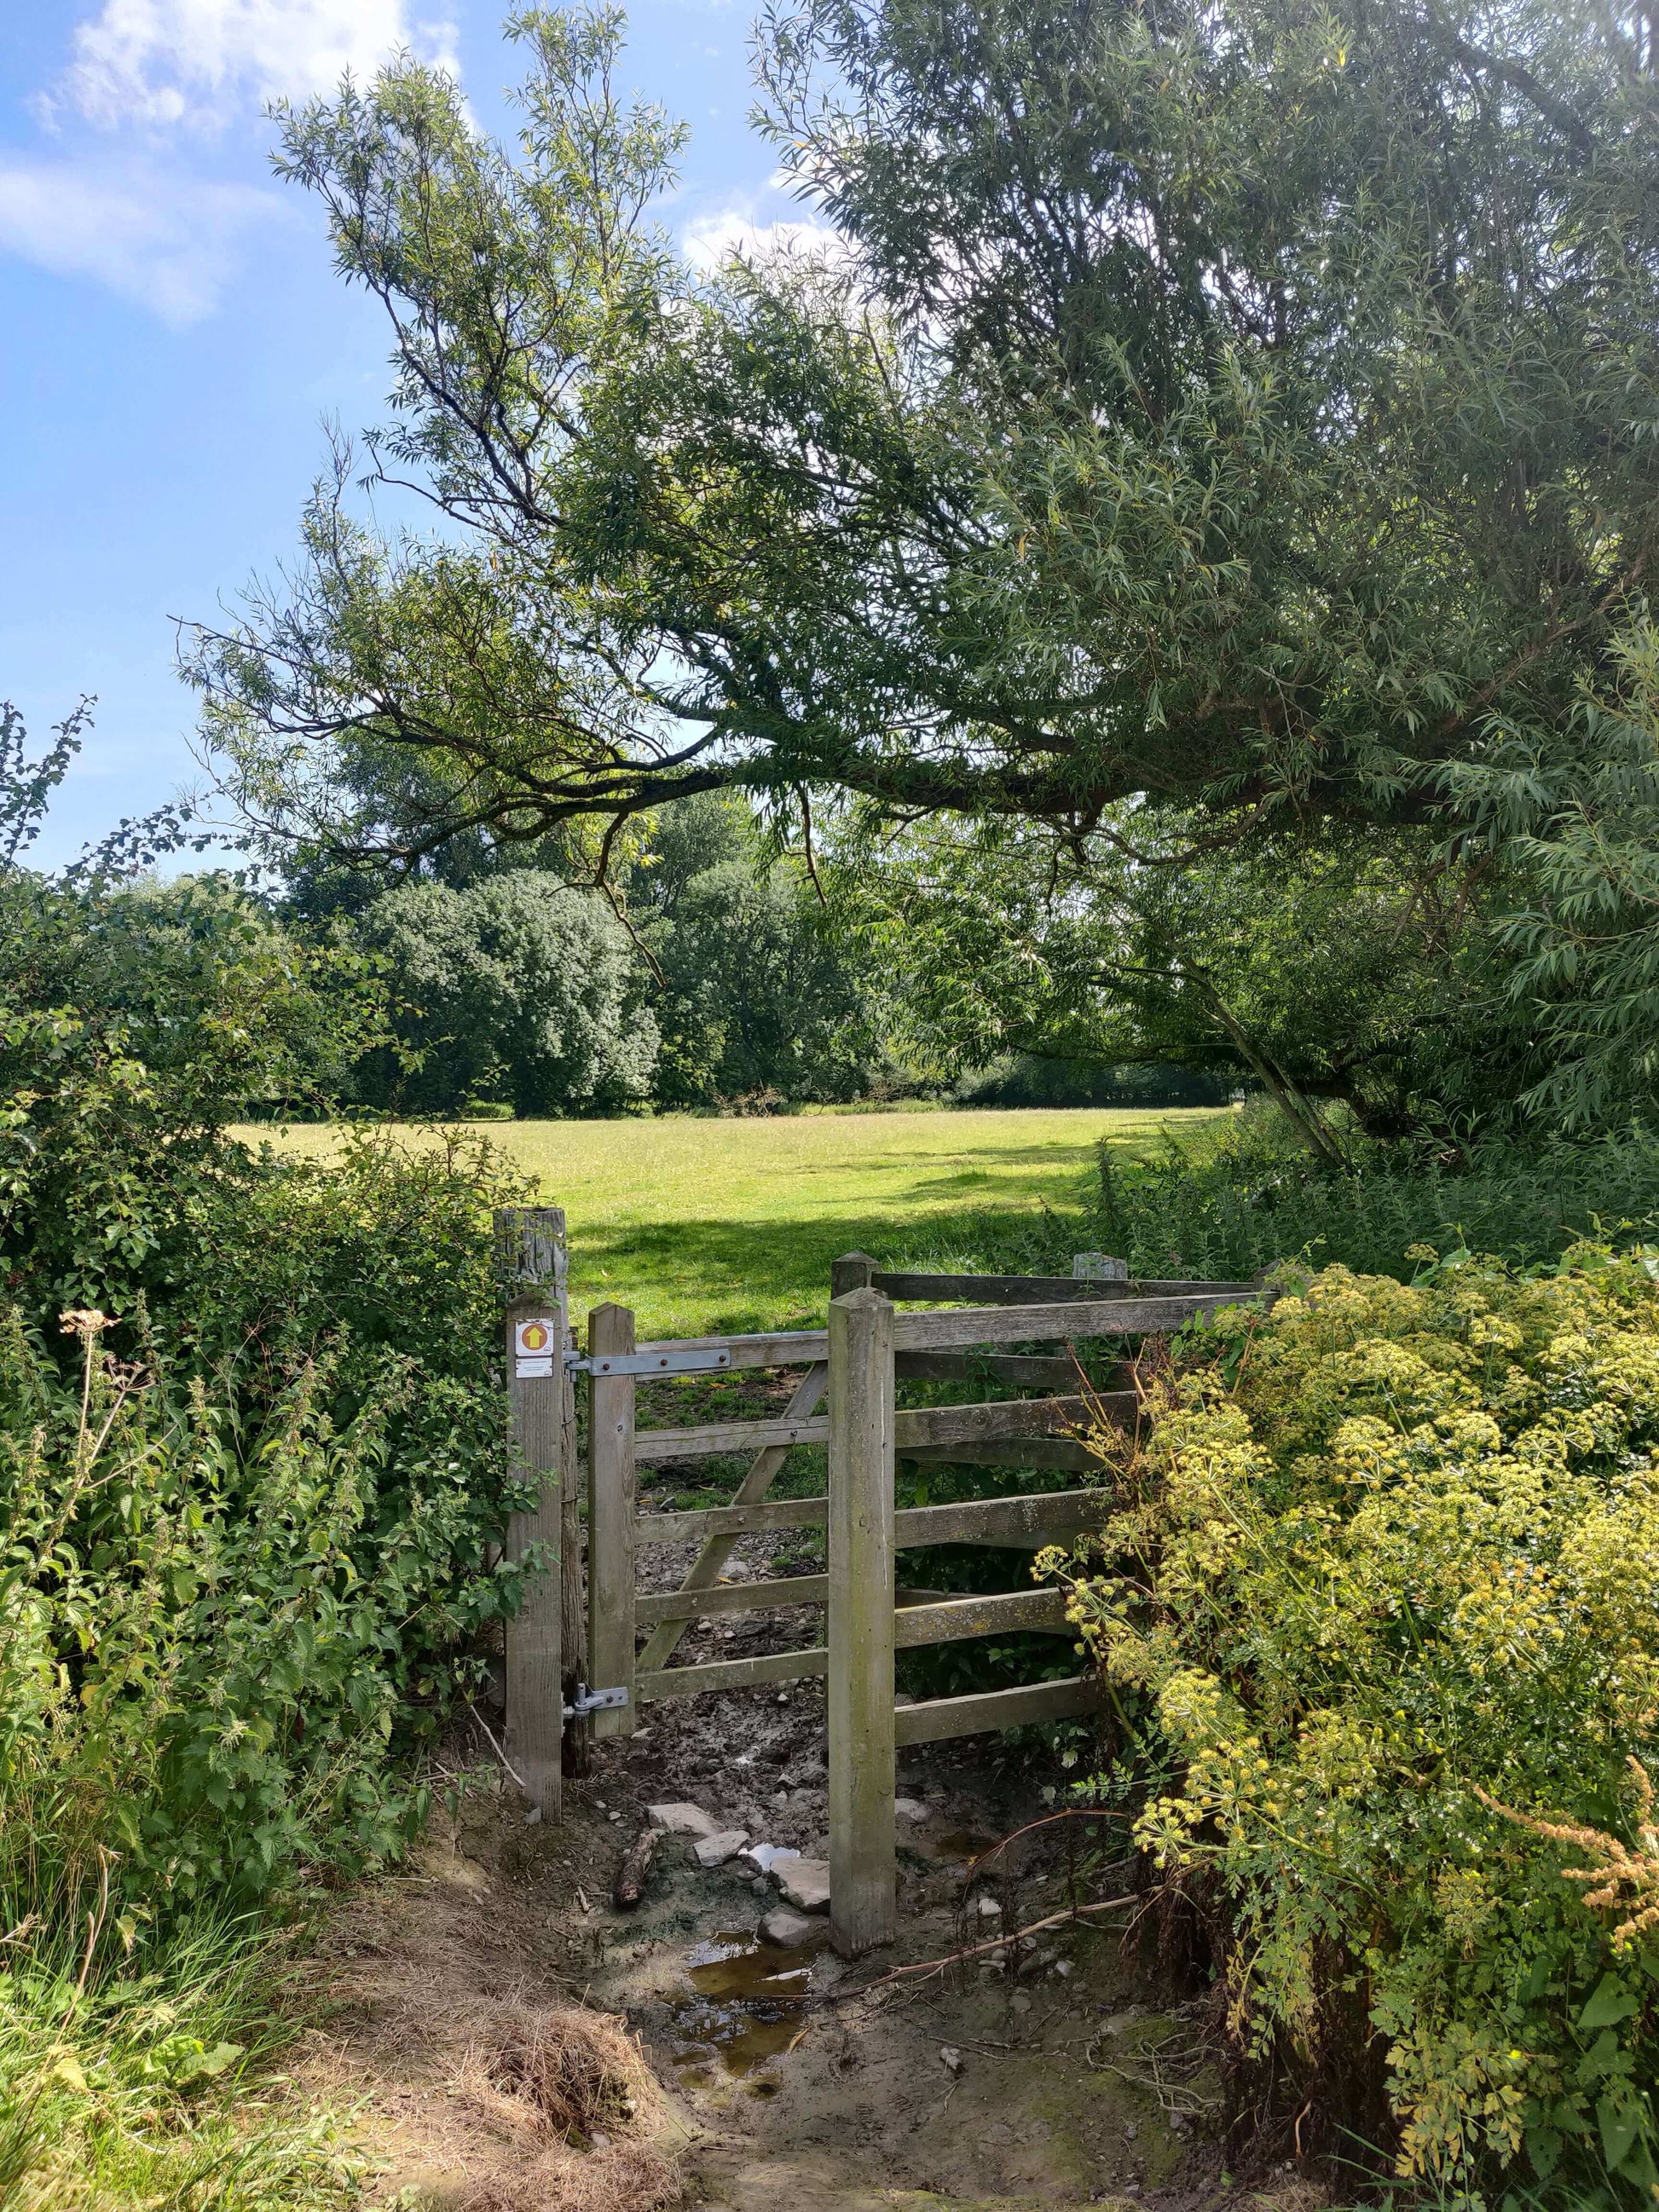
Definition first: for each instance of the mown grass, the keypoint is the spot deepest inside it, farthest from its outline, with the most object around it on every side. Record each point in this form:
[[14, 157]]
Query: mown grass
[[704, 1225]]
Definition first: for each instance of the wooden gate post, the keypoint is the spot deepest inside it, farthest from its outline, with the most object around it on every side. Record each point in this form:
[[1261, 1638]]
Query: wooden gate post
[[529, 1250], [611, 1487], [862, 1909], [852, 1271]]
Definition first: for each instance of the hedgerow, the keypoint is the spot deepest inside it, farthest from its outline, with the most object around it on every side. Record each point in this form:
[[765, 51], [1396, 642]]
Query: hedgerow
[[1382, 1589]]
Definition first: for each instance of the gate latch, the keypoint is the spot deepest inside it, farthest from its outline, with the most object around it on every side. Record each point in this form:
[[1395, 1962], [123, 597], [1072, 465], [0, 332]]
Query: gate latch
[[594, 1701]]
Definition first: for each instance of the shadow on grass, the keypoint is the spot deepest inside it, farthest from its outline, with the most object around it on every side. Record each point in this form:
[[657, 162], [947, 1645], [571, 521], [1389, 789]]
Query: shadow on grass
[[738, 1275]]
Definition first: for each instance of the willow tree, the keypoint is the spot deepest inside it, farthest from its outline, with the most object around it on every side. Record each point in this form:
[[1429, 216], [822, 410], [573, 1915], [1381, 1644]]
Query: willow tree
[[1244, 410]]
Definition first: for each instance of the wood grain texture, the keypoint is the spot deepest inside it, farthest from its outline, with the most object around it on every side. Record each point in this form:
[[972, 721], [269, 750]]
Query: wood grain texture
[[943, 1718], [1023, 1523], [1040, 1289], [610, 1516], [863, 1907], [957, 1619]]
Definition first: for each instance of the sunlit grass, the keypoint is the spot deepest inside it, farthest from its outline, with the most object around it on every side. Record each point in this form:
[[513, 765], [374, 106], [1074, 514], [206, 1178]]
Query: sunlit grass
[[729, 1224]]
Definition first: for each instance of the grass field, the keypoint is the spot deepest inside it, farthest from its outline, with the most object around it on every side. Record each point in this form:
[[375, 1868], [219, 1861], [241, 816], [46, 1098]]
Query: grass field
[[703, 1226]]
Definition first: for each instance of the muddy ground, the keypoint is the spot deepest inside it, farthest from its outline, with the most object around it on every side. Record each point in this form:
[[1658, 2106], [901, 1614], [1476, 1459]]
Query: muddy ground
[[1045, 2074], [742, 2075]]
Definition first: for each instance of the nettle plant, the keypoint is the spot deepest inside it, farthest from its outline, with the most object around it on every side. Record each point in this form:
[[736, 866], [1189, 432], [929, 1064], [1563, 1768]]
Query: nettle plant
[[1384, 1584], [221, 1632]]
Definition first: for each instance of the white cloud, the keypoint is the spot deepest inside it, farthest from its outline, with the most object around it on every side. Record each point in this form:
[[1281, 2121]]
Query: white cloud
[[713, 239], [167, 62], [168, 242]]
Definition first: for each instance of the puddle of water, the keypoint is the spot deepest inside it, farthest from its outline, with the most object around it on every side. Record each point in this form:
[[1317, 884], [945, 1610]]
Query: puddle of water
[[749, 2004]]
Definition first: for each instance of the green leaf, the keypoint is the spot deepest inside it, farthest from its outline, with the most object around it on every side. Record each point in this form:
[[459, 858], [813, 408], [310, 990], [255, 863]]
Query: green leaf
[[1610, 2001]]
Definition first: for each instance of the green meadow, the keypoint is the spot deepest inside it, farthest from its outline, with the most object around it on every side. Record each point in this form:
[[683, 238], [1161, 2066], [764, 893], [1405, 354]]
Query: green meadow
[[705, 1224]]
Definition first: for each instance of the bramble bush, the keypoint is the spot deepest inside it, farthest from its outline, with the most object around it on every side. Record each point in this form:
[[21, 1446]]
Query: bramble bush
[[1382, 1590]]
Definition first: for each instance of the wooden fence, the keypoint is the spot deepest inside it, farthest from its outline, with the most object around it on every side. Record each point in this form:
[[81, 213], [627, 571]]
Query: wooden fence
[[857, 1362]]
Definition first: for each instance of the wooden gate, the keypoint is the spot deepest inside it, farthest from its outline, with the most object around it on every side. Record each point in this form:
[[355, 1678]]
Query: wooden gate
[[868, 1348]]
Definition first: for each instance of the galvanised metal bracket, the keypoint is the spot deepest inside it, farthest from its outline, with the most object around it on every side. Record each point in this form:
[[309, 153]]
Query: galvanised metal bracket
[[692, 1362], [594, 1701]]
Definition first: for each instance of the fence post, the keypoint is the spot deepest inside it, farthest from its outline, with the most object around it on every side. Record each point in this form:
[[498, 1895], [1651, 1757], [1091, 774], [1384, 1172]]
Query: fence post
[[611, 1520], [1098, 1267], [573, 1603], [862, 1911], [852, 1271], [530, 1251]]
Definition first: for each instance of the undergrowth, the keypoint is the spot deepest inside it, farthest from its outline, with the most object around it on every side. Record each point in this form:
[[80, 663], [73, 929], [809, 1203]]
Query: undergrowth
[[1380, 1595]]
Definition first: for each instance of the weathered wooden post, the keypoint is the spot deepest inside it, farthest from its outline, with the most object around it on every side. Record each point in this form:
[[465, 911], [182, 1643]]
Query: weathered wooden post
[[852, 1271], [529, 1250], [610, 1506], [1098, 1267], [862, 1909]]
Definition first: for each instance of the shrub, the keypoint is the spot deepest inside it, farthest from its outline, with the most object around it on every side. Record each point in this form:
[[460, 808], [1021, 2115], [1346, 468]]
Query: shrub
[[1389, 1561], [1229, 1205], [218, 1635]]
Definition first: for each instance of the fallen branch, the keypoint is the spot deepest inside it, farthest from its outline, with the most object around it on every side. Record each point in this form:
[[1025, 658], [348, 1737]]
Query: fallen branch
[[995, 1943]]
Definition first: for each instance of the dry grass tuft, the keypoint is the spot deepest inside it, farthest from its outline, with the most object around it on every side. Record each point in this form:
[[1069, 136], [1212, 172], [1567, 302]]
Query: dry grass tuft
[[626, 2178], [577, 2074]]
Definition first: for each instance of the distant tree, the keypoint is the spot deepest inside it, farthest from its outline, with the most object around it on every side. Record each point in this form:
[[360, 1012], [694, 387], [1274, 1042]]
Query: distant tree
[[762, 998], [517, 989]]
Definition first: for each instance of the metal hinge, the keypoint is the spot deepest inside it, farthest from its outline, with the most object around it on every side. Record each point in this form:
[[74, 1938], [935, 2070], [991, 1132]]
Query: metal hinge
[[646, 1362], [594, 1701]]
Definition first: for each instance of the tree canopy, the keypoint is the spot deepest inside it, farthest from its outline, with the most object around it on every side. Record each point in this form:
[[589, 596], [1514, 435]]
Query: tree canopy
[[1242, 416]]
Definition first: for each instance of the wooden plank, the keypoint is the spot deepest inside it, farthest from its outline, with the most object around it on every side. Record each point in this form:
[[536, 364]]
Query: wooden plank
[[986, 1422], [697, 1604], [1041, 1289], [731, 1675], [943, 1718], [931, 1332], [793, 1347], [1058, 1454], [700, 1522], [959, 1618], [1023, 1523], [659, 1447], [530, 1259], [763, 1470], [802, 1348], [912, 1426], [611, 1485], [863, 1905]]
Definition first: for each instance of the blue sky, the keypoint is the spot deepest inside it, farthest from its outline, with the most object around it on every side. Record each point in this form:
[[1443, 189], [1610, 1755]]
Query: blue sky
[[172, 335]]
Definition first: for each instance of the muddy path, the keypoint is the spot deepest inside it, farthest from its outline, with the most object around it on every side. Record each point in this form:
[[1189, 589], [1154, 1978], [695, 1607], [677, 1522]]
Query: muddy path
[[782, 2079], [749, 2074]]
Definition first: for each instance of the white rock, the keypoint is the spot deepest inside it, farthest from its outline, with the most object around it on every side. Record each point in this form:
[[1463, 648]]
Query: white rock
[[988, 1908], [766, 1856], [804, 1883], [789, 1929], [950, 2058], [715, 1850], [682, 1820], [911, 1810]]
